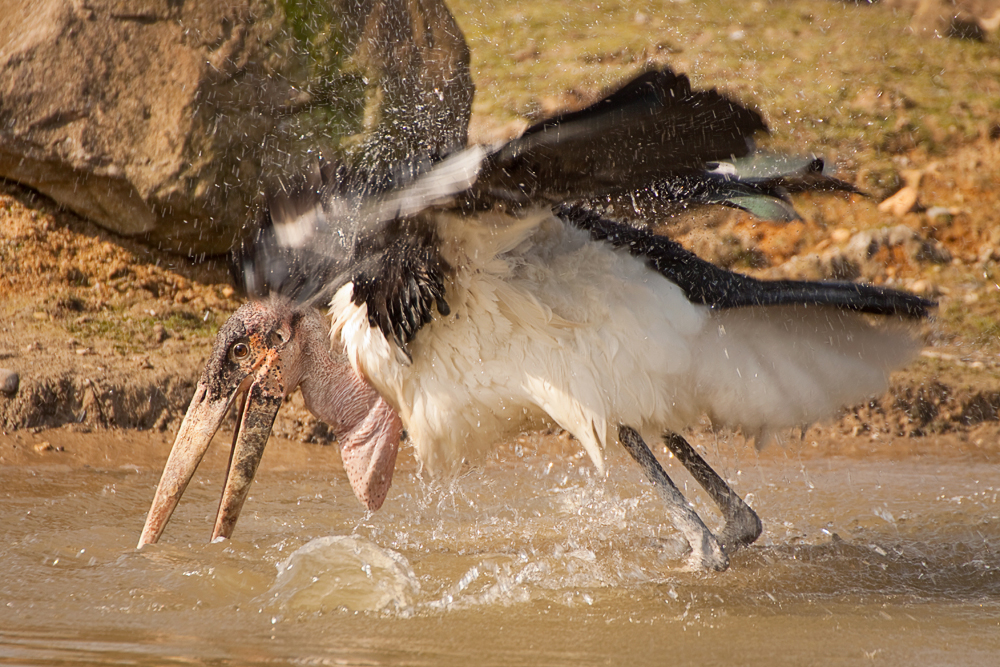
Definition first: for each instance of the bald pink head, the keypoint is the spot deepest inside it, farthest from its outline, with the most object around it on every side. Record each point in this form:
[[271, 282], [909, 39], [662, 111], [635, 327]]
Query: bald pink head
[[262, 353]]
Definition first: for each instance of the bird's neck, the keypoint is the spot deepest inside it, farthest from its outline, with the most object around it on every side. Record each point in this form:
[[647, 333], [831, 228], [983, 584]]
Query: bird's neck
[[366, 426], [332, 390]]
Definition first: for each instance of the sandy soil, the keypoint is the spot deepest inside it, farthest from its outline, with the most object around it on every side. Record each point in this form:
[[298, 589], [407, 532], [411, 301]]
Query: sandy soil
[[108, 336]]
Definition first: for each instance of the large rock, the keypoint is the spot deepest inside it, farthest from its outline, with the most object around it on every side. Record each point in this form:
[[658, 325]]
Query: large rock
[[167, 119]]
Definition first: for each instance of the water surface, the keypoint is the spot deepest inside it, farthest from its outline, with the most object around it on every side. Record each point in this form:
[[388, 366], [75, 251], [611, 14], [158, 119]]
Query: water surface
[[530, 559]]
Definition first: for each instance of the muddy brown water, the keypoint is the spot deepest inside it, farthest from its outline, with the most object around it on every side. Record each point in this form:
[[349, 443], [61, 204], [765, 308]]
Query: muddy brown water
[[531, 558]]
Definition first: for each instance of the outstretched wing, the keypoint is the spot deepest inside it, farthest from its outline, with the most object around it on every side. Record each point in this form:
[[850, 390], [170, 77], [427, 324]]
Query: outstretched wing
[[655, 126], [655, 139]]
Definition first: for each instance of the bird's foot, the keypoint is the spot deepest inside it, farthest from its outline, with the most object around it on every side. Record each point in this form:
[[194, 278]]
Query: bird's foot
[[742, 529], [712, 552], [700, 550], [672, 548], [707, 554]]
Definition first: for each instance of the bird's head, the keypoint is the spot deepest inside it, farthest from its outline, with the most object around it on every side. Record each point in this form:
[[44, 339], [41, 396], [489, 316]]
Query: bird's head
[[260, 356]]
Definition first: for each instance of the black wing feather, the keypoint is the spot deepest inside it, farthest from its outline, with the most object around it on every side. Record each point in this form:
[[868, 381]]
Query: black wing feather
[[649, 149], [401, 279], [655, 126], [394, 265], [705, 283]]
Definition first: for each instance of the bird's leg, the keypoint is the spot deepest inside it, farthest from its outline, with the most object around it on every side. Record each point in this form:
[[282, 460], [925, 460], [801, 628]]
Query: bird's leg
[[743, 526], [706, 551]]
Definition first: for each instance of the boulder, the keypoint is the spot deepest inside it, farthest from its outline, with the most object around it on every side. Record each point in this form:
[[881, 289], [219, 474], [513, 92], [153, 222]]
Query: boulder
[[166, 120]]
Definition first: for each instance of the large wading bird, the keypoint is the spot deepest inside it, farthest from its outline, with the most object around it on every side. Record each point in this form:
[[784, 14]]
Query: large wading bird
[[480, 294]]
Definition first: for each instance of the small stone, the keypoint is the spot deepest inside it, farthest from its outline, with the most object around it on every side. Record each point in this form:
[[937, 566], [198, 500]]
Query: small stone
[[900, 203], [9, 381], [906, 199], [940, 214], [966, 26], [44, 446], [160, 333], [83, 351], [840, 235], [228, 291], [40, 316]]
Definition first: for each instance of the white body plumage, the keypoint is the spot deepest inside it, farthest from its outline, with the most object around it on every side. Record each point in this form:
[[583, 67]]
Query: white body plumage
[[547, 324]]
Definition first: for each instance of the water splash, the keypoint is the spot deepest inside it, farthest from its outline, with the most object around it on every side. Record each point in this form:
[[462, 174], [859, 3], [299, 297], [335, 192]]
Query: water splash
[[344, 572]]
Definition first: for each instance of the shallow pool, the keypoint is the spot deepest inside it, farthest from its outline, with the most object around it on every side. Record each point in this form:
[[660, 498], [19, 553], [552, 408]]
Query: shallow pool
[[532, 558]]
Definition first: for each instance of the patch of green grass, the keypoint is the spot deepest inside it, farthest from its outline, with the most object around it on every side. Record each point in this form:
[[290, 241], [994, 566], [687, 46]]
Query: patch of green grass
[[124, 336], [182, 321], [130, 334], [979, 327]]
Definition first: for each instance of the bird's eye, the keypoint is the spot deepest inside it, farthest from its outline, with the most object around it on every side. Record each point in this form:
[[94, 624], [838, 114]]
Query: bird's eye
[[239, 352]]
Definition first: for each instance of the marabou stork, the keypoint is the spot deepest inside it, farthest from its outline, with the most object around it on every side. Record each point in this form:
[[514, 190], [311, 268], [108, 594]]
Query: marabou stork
[[482, 293]]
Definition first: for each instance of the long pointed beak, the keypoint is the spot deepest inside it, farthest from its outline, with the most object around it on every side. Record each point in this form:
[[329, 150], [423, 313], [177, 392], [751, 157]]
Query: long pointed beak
[[264, 395], [256, 420]]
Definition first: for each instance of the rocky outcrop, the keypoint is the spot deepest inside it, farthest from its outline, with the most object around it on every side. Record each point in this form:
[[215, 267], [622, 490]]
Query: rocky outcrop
[[166, 119]]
